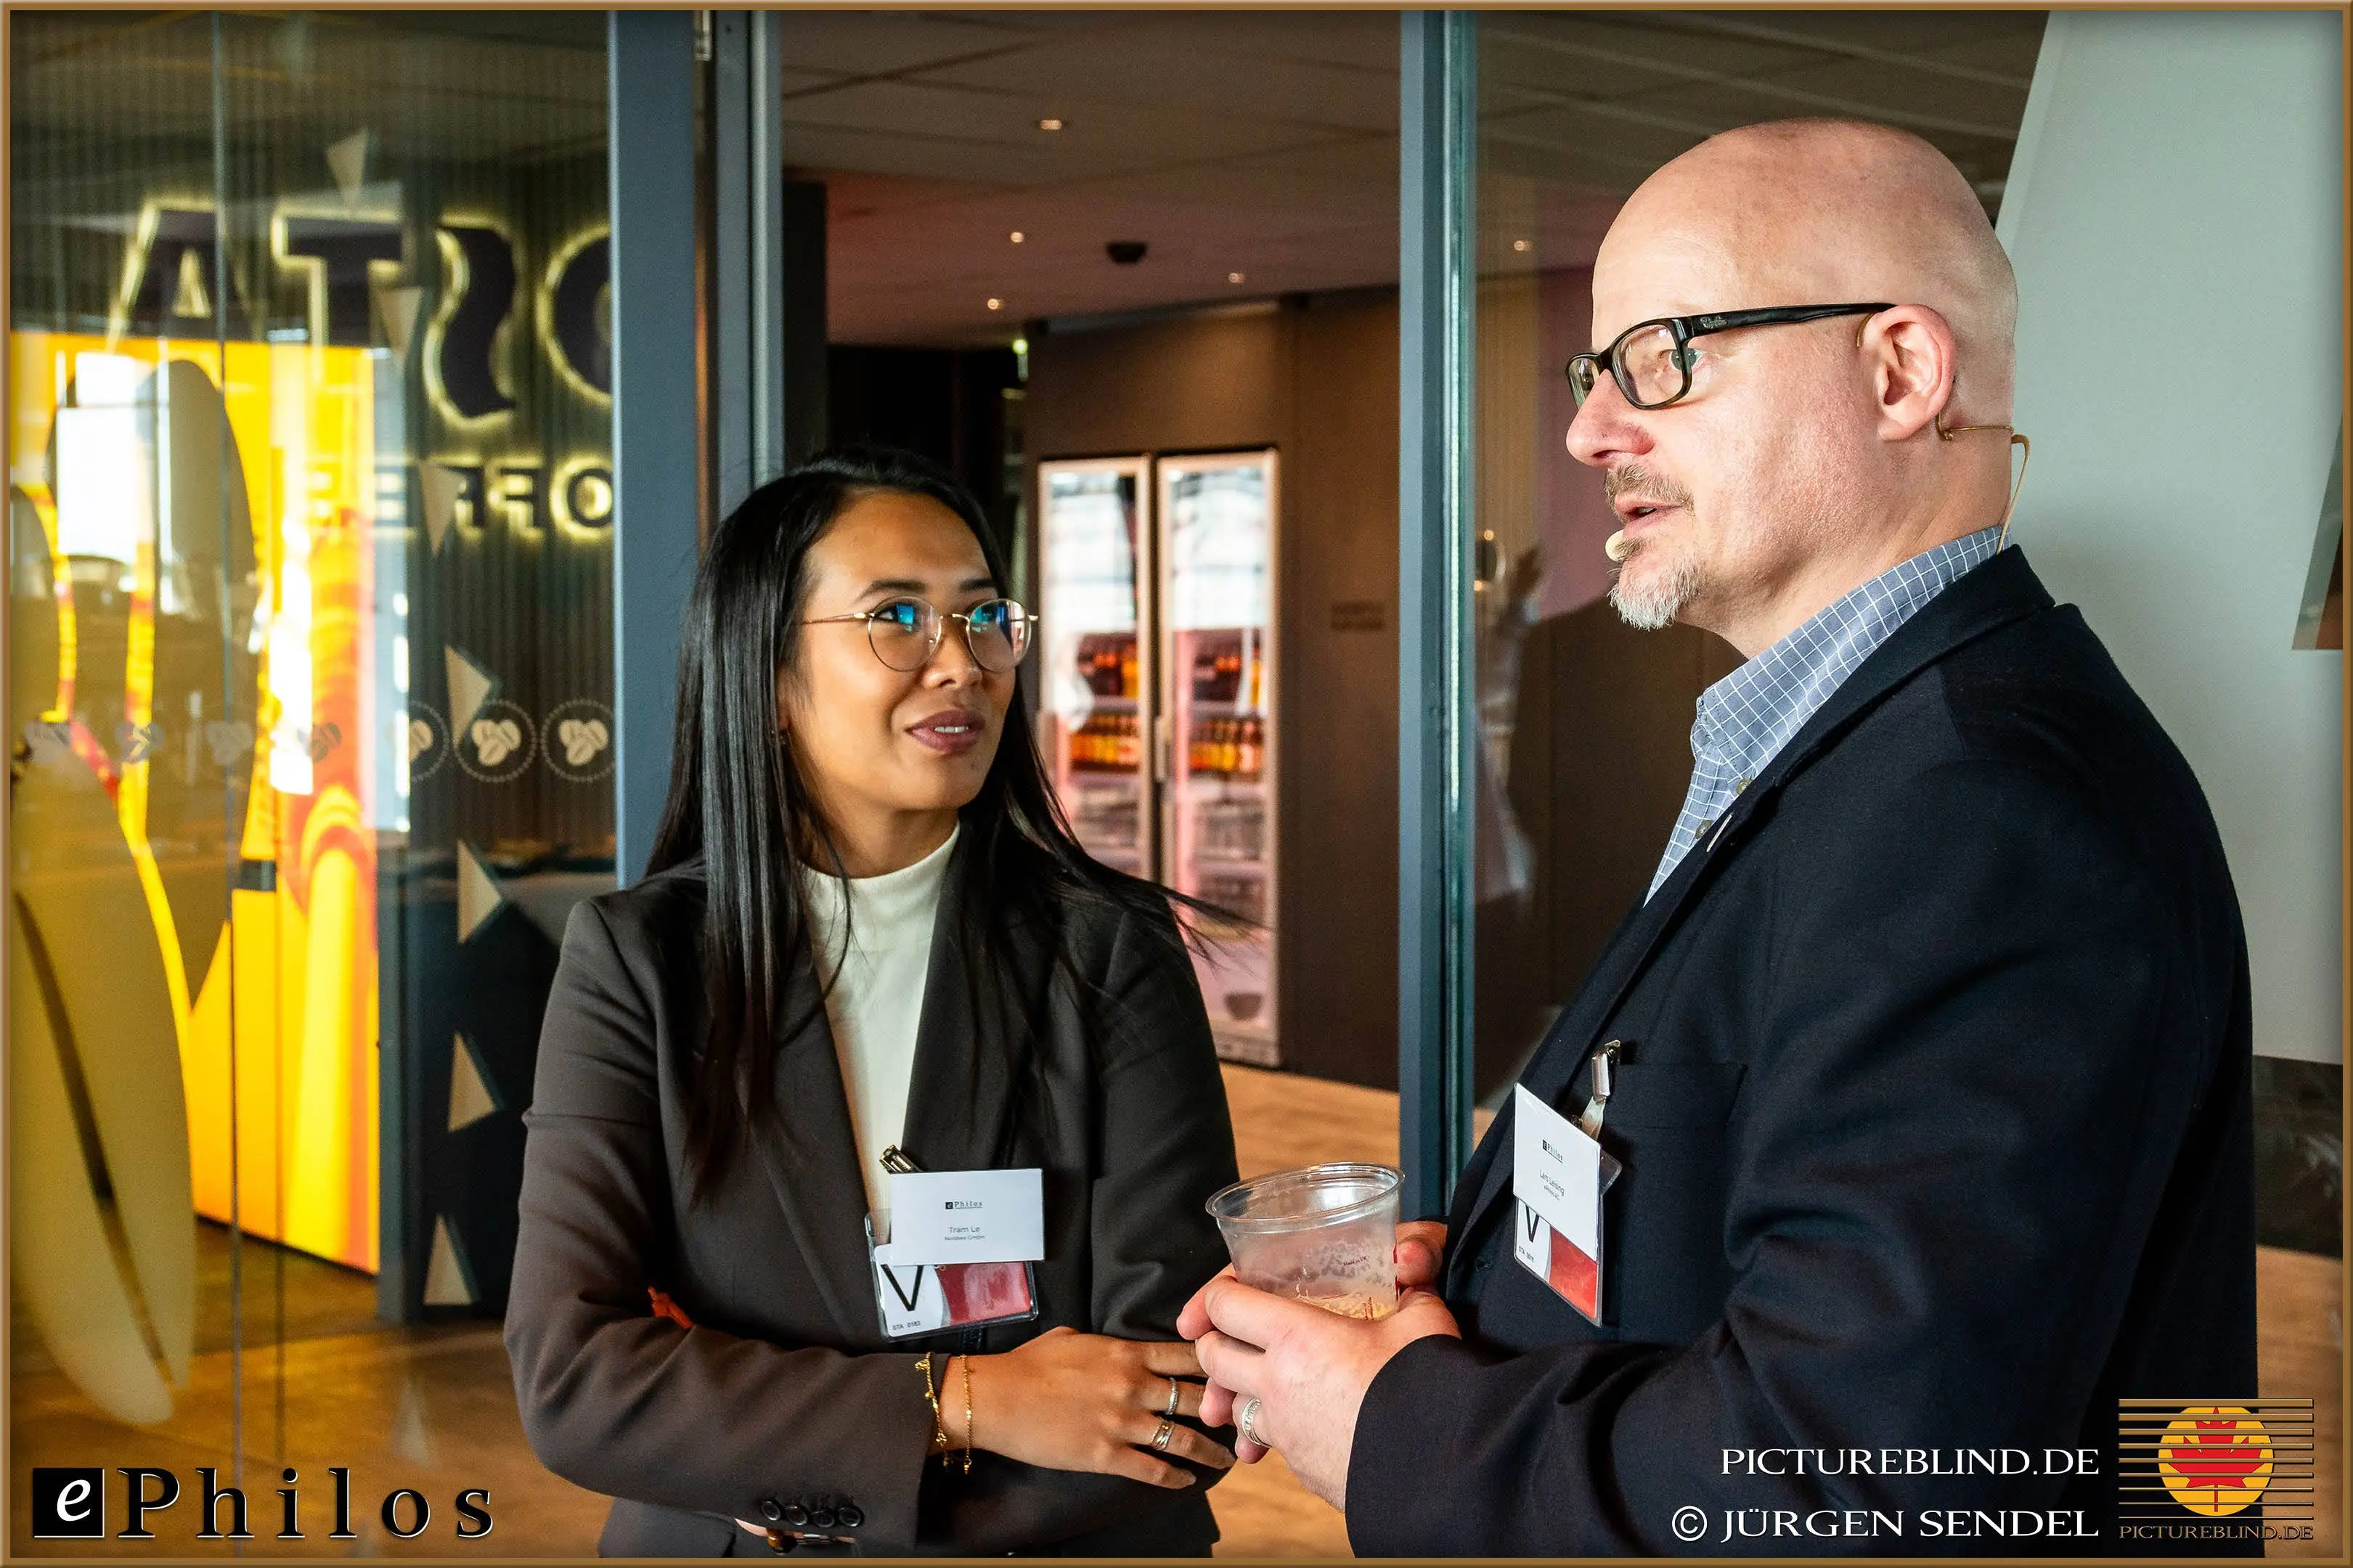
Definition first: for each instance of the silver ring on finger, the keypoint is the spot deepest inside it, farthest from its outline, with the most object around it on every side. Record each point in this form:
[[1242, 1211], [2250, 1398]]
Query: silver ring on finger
[[1167, 1430], [1246, 1421], [1171, 1409]]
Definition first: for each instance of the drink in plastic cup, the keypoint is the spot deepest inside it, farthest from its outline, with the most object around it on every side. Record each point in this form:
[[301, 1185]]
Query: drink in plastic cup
[[1326, 1235]]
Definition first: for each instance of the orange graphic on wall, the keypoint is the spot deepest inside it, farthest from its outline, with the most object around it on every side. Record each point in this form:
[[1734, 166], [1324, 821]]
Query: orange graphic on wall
[[278, 974]]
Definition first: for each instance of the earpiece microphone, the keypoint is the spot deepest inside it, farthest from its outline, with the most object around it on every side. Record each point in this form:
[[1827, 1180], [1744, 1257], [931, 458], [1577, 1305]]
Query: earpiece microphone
[[1615, 546]]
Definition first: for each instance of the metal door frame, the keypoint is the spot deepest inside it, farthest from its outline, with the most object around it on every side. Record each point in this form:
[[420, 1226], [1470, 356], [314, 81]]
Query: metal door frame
[[1435, 728]]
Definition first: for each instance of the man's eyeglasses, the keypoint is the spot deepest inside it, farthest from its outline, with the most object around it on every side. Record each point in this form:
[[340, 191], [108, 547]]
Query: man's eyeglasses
[[1651, 361], [905, 633]]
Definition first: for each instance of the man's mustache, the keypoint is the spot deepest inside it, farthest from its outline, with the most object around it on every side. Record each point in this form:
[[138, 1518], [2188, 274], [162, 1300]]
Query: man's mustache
[[1646, 482]]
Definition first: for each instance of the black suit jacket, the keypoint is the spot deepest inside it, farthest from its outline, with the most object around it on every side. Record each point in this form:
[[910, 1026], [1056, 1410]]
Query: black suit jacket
[[1934, 1106], [785, 1392]]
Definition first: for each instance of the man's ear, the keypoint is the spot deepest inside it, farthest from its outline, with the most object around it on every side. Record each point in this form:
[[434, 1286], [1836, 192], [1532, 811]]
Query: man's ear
[[1910, 354]]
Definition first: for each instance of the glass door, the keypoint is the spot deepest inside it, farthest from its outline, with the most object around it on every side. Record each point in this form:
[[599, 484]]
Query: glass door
[[310, 513], [1218, 552], [1096, 713]]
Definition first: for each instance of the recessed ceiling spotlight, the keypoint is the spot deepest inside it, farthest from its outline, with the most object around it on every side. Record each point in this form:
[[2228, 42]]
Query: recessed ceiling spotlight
[[1233, 277], [1519, 245], [1017, 237], [1049, 123], [997, 304]]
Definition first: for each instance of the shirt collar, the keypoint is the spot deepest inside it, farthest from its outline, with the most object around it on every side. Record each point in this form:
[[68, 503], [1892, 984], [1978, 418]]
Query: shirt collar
[[893, 909], [1748, 716]]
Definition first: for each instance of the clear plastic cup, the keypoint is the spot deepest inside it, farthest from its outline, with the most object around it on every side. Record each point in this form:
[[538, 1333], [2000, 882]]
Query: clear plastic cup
[[1326, 1235]]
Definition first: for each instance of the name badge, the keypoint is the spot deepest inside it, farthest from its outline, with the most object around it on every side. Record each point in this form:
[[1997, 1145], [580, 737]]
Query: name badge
[[925, 1298], [907, 1295], [1559, 1171], [967, 1217]]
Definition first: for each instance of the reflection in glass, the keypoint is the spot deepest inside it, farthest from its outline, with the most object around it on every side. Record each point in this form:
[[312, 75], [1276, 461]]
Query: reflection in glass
[[1585, 722], [310, 507]]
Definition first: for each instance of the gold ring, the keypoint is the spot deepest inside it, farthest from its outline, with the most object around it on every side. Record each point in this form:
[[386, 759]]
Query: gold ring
[[1172, 1398], [1167, 1430]]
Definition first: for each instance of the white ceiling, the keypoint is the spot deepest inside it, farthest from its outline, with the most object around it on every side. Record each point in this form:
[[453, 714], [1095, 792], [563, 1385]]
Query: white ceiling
[[1265, 142]]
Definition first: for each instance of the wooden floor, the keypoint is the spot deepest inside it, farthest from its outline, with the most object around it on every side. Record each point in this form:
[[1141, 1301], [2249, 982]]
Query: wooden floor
[[1282, 1120], [433, 1410]]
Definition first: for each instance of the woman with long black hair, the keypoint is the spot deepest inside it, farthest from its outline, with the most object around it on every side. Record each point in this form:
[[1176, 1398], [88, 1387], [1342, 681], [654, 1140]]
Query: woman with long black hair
[[866, 930]]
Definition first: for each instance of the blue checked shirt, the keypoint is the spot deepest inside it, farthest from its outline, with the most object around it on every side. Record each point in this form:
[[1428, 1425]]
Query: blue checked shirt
[[1747, 717]]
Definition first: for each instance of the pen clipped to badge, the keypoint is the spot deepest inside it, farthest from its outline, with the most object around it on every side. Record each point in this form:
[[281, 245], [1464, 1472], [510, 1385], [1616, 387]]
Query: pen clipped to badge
[[955, 1249]]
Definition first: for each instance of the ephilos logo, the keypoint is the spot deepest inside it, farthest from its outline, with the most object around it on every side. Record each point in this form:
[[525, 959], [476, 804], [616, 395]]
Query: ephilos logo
[[70, 1504]]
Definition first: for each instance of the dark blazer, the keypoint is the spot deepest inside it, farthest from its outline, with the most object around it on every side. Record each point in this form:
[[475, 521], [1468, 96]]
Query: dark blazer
[[1934, 1106], [785, 1397]]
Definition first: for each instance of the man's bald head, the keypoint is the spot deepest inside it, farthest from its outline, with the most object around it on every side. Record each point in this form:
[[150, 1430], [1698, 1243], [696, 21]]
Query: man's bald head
[[1801, 211], [1802, 458]]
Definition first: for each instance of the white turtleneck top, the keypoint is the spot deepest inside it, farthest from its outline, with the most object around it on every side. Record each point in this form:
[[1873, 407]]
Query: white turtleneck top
[[875, 995]]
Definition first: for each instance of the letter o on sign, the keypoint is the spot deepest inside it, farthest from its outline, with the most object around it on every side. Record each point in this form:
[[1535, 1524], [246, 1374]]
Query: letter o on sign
[[588, 496]]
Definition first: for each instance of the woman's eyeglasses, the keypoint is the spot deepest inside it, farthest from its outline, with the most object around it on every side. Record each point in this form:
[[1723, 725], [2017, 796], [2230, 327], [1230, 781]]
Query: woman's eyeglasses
[[905, 633], [1651, 361]]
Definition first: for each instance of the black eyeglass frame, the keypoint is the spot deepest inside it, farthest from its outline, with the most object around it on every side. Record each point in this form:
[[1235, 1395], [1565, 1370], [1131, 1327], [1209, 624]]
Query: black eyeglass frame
[[1020, 616], [1685, 328]]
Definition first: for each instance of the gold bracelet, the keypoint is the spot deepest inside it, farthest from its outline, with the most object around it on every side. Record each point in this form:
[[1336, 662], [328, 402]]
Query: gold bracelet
[[967, 1415], [931, 1397]]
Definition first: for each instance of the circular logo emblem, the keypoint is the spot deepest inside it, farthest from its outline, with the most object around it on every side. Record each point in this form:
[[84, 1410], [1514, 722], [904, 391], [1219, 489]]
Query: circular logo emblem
[[2215, 1459], [424, 735], [497, 744], [579, 736]]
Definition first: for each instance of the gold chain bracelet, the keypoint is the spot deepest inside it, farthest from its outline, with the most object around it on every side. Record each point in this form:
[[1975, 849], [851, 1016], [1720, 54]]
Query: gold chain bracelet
[[931, 1398], [967, 1414]]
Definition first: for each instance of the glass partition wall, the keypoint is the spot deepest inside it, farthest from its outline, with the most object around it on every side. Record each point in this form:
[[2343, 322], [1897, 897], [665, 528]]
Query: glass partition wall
[[309, 512], [1544, 745], [1576, 728]]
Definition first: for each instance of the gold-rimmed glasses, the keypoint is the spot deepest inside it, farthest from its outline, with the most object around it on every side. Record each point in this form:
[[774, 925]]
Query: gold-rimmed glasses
[[905, 632]]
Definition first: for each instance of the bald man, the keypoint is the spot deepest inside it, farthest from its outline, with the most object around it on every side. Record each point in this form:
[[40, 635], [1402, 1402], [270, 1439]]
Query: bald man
[[1923, 1065]]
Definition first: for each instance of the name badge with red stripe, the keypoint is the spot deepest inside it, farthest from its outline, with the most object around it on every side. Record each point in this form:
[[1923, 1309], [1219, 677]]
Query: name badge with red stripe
[[1559, 1171]]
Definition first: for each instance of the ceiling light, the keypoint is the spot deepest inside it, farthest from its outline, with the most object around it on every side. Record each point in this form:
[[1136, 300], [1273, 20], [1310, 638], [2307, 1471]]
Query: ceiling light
[[1519, 245], [997, 304], [1017, 237], [1049, 123], [1233, 277]]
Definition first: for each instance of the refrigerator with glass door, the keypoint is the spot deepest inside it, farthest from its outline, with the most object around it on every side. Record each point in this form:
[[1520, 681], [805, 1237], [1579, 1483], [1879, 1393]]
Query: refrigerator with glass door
[[1095, 706], [1218, 518]]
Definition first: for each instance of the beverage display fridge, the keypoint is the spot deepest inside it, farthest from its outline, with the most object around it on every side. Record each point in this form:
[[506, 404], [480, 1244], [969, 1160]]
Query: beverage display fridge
[[1095, 719], [1158, 706]]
